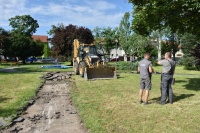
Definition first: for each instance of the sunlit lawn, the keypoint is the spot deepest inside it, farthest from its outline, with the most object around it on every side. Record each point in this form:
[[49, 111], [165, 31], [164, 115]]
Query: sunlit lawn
[[15, 89], [179, 70], [18, 87], [112, 105]]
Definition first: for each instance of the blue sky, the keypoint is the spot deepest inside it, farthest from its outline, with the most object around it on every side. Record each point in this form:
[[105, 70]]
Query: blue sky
[[87, 13]]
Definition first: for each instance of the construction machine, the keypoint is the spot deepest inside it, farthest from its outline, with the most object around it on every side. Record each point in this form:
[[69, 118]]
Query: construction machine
[[87, 62]]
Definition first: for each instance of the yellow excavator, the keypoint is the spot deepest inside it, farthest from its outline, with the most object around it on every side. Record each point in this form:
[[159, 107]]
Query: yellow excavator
[[88, 63]]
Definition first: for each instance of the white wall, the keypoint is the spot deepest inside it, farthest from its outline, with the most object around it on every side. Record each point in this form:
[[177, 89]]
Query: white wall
[[120, 52]]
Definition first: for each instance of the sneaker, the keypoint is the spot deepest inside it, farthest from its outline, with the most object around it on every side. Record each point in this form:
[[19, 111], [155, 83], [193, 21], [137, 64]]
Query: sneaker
[[161, 103], [145, 103], [169, 102], [140, 102]]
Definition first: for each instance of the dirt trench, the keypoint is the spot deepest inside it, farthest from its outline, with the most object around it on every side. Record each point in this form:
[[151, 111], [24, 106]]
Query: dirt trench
[[51, 112]]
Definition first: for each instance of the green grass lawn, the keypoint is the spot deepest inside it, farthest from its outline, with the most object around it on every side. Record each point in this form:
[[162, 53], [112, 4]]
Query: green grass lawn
[[4, 66], [112, 105], [179, 70], [16, 88]]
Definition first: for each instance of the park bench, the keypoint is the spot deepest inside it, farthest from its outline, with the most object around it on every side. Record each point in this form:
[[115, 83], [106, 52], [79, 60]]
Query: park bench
[[14, 63], [10, 62]]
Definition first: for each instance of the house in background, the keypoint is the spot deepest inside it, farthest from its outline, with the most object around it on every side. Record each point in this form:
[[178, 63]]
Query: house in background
[[44, 40], [117, 53], [41, 38]]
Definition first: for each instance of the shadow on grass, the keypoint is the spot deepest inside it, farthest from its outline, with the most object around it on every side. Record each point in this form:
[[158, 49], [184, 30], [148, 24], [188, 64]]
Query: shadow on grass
[[175, 98], [180, 81], [193, 84], [119, 76], [2, 99], [182, 96]]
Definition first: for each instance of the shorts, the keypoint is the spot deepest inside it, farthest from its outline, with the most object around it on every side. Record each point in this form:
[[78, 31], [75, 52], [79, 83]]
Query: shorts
[[145, 84]]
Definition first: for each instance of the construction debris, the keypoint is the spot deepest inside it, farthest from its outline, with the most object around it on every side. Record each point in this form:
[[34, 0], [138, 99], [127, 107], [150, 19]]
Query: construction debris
[[51, 110], [57, 76]]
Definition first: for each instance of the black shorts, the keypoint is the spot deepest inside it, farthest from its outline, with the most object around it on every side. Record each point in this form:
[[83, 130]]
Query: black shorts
[[145, 84]]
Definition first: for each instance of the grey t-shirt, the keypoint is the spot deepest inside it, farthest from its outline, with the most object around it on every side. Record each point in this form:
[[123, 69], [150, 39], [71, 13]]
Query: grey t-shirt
[[167, 66], [144, 68]]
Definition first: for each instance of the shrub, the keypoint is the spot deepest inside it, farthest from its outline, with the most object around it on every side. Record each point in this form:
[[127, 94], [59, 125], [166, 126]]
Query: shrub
[[188, 62], [154, 62], [61, 58], [127, 65]]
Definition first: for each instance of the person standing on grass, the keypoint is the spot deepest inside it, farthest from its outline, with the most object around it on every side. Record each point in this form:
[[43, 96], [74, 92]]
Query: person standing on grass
[[145, 69], [167, 78]]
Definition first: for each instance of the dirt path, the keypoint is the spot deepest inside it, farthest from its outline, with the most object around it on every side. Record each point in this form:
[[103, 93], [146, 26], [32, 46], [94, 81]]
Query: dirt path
[[52, 112]]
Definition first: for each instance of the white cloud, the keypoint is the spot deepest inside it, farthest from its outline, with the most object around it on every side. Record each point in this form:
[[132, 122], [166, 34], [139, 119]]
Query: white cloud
[[88, 13], [10, 8], [100, 5]]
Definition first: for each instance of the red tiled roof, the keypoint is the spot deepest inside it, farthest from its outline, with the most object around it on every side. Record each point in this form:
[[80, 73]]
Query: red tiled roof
[[41, 38]]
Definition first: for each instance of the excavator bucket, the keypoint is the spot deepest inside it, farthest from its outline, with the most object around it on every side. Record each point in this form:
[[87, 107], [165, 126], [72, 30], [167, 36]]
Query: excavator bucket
[[100, 73]]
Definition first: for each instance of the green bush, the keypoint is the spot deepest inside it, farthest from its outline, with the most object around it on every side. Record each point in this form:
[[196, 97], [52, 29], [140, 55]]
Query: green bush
[[127, 65], [61, 58], [154, 62], [188, 62]]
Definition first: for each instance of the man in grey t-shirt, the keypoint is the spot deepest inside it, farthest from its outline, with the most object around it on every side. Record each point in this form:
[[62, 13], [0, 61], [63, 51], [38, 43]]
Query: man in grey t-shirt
[[145, 69], [166, 78]]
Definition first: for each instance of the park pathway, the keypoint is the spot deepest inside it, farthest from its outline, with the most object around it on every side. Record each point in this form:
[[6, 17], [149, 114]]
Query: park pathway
[[51, 112]]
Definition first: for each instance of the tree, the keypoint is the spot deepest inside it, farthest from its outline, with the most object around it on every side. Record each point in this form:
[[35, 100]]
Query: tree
[[188, 43], [5, 42], [190, 46], [109, 36], [179, 15], [46, 50], [23, 45], [97, 32], [196, 54], [140, 45], [157, 36], [125, 33], [24, 24], [3, 35], [63, 37], [84, 35]]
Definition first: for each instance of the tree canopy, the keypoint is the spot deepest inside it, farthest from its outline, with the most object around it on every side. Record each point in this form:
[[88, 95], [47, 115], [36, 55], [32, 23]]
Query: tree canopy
[[24, 24], [179, 15], [63, 37], [191, 49], [5, 42], [22, 44], [125, 33], [131, 42]]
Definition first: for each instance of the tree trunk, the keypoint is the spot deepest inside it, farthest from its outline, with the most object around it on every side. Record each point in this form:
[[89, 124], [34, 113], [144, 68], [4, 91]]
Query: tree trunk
[[159, 48], [24, 60], [174, 56]]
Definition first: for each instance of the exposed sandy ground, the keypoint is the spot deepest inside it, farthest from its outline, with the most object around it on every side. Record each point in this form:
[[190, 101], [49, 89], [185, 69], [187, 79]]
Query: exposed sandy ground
[[52, 112]]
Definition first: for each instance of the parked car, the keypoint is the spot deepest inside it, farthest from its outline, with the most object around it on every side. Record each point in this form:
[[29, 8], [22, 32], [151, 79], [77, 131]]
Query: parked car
[[31, 59], [48, 60], [11, 59]]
